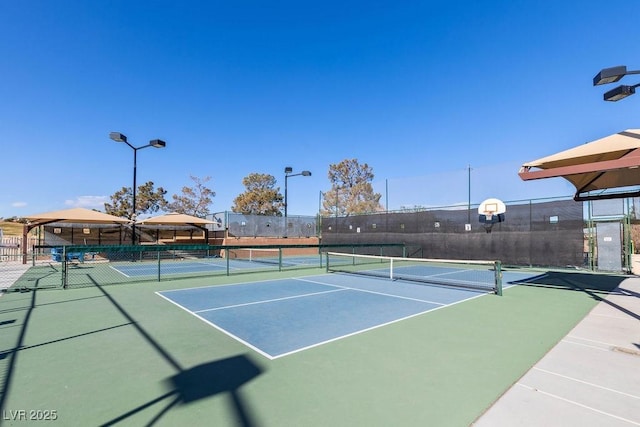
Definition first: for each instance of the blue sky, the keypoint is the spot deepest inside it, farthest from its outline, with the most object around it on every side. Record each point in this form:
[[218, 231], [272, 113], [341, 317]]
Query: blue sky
[[419, 91]]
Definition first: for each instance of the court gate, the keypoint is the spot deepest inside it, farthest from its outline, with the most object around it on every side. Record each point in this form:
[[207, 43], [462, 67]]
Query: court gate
[[609, 251]]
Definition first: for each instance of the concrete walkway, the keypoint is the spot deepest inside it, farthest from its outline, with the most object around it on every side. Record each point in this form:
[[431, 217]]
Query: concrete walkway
[[590, 378], [10, 271]]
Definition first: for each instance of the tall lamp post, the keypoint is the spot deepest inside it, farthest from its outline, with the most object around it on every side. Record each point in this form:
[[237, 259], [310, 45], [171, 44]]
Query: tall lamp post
[[287, 174], [612, 75], [469, 196], [155, 143]]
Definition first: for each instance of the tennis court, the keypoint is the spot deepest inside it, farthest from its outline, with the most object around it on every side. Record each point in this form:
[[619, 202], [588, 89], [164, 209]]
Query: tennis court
[[143, 269], [209, 265], [281, 317], [276, 348]]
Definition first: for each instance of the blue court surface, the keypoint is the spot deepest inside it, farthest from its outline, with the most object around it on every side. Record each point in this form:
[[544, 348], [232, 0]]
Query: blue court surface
[[280, 317], [143, 269], [150, 268]]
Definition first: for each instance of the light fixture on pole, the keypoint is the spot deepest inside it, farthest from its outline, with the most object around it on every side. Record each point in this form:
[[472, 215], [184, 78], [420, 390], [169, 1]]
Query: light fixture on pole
[[469, 195], [620, 92], [155, 143], [612, 75], [287, 174]]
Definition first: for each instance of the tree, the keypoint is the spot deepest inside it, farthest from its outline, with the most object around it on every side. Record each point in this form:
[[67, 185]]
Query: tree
[[148, 200], [414, 208], [194, 201], [260, 198], [351, 190]]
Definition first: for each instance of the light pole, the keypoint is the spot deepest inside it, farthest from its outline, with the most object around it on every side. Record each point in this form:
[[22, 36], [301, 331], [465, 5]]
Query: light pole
[[156, 143], [287, 174], [611, 75], [469, 196], [614, 74]]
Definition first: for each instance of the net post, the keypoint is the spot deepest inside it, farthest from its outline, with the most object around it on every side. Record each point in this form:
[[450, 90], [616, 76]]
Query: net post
[[391, 268], [326, 263], [498, 273], [280, 258], [65, 271], [158, 252]]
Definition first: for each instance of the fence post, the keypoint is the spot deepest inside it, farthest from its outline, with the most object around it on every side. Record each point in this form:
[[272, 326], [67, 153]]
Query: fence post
[[498, 273], [65, 272]]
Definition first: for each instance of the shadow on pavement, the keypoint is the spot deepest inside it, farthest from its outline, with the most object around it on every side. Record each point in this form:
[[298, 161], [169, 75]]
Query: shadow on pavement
[[196, 383], [596, 285]]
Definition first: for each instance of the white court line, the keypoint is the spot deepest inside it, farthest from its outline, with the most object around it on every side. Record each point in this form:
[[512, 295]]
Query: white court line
[[150, 269], [268, 300], [585, 345], [225, 285], [445, 273], [586, 382], [371, 292], [578, 404], [119, 271], [337, 288], [589, 340], [376, 326], [227, 333], [353, 333]]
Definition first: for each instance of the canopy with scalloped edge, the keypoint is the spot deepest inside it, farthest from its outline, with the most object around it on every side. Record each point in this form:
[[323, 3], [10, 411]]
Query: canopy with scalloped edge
[[602, 169]]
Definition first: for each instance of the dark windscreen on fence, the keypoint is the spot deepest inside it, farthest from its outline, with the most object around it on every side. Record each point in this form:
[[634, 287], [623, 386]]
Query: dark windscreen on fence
[[549, 233]]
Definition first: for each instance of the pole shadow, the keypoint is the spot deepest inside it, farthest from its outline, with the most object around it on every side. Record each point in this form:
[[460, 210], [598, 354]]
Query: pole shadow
[[11, 355], [196, 383], [597, 286], [578, 281], [201, 382]]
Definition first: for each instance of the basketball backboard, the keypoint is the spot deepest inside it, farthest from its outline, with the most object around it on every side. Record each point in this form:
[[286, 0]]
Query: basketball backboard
[[491, 211]]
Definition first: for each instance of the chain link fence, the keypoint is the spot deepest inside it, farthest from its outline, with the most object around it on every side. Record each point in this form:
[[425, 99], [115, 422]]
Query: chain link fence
[[75, 266], [535, 233], [241, 225]]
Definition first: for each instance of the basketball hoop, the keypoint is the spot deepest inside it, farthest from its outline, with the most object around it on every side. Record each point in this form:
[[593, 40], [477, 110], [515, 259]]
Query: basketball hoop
[[490, 212], [488, 221]]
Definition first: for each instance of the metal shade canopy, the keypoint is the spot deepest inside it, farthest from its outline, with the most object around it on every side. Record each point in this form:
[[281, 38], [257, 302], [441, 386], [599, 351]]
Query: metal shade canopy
[[178, 219], [602, 169], [75, 215], [173, 218]]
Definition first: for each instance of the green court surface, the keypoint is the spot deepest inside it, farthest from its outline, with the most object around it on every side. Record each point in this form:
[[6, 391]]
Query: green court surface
[[122, 355]]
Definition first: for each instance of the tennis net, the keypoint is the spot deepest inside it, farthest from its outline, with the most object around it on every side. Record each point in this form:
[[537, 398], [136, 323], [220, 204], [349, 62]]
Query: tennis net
[[471, 274], [266, 255]]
